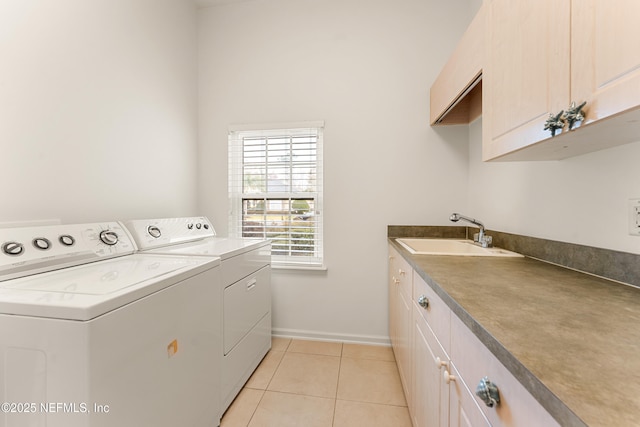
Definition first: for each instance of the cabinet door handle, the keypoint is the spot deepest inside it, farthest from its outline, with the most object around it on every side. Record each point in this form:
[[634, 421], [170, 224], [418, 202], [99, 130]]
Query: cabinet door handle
[[448, 377], [402, 272], [440, 363], [252, 284], [396, 281], [574, 114], [423, 301], [488, 392], [555, 122]]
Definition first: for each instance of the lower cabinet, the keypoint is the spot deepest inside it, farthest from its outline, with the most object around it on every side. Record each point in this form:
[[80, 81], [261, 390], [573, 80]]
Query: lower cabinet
[[440, 398], [474, 362], [441, 362], [430, 393], [400, 287], [463, 410]]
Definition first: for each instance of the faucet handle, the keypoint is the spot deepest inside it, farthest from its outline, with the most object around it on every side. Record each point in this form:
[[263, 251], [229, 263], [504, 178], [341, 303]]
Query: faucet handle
[[485, 242]]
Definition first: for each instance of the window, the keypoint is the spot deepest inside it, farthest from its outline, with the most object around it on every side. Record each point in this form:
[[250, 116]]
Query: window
[[275, 187]]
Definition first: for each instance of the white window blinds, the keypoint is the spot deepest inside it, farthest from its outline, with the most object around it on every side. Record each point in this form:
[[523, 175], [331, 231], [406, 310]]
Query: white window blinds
[[275, 189]]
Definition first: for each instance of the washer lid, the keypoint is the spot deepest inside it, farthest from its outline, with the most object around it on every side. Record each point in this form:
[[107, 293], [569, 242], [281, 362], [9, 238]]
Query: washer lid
[[214, 246], [88, 291]]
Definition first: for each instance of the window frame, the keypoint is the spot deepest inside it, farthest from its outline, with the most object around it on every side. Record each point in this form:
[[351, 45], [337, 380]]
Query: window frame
[[237, 196]]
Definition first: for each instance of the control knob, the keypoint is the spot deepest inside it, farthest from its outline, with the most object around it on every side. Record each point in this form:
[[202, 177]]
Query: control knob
[[154, 231], [41, 243], [109, 237], [67, 240], [13, 248]]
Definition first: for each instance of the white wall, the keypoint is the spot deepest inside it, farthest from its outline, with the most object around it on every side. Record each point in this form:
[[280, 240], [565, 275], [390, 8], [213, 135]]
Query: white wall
[[97, 109], [578, 200], [365, 68]]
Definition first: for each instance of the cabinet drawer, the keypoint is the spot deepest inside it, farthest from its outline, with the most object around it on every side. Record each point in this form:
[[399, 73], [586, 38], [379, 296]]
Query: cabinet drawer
[[245, 303], [239, 266], [437, 313], [517, 408], [399, 273]]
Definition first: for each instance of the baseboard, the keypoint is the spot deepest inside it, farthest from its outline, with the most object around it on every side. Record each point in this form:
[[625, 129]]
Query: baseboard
[[331, 337]]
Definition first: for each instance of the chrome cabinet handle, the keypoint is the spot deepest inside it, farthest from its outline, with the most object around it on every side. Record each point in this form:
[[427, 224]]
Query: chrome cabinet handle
[[554, 122], [569, 117], [423, 301], [488, 392], [574, 114]]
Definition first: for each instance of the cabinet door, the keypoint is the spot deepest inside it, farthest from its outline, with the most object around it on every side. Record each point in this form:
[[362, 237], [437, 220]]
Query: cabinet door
[[526, 72], [605, 56], [404, 346], [400, 284], [430, 393], [393, 293], [463, 410]]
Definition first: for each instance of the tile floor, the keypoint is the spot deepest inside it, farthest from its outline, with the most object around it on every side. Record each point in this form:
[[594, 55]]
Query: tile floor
[[321, 384]]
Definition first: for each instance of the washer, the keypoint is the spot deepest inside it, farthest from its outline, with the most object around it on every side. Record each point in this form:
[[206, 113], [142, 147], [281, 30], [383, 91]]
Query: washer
[[245, 290], [93, 334]]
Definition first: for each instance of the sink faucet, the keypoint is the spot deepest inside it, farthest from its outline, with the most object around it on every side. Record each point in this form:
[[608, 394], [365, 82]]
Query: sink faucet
[[480, 238]]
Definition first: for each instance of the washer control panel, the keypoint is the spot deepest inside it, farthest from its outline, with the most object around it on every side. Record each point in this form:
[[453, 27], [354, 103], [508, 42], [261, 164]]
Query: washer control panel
[[155, 233], [31, 250]]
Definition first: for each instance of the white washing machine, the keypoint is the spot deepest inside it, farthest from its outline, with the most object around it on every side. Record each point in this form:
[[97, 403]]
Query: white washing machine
[[95, 335], [245, 290]]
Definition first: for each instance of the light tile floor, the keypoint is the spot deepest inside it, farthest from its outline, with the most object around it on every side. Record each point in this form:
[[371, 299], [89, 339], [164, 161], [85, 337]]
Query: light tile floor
[[321, 384]]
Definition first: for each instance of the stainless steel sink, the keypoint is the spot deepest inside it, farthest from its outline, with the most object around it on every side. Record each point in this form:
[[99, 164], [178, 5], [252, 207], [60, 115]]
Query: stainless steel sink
[[451, 247]]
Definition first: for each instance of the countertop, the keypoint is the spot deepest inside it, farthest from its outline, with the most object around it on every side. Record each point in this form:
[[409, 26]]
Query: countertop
[[572, 339]]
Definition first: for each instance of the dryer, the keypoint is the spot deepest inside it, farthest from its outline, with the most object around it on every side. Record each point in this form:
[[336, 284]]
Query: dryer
[[93, 334], [245, 290]]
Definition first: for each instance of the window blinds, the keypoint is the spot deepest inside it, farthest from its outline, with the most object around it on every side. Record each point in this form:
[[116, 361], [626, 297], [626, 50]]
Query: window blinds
[[275, 189]]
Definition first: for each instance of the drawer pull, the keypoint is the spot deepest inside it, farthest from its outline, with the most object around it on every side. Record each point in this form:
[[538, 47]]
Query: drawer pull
[[402, 272], [448, 377], [440, 363], [423, 301], [251, 284], [488, 392], [396, 281]]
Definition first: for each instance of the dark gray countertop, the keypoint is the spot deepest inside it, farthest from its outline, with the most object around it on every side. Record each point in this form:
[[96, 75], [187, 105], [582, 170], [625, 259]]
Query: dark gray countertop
[[572, 339]]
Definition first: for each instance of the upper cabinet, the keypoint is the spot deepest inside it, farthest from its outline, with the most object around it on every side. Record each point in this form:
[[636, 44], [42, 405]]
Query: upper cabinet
[[544, 55], [456, 95], [537, 58], [605, 56], [526, 74]]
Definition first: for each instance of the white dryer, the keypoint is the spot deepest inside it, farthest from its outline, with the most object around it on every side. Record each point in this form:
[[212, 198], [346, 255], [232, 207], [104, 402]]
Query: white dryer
[[245, 290], [95, 335]]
